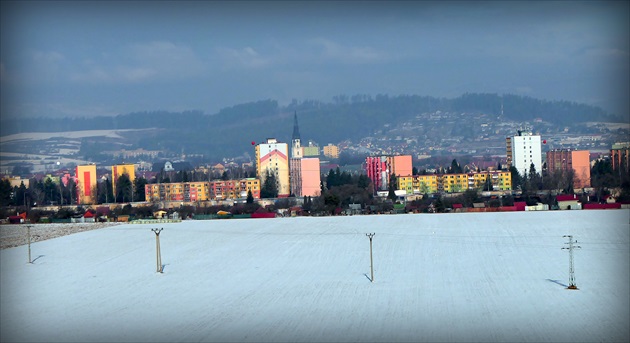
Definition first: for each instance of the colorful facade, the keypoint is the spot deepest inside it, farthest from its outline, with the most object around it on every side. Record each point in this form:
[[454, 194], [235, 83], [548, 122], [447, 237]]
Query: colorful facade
[[331, 151], [311, 150], [451, 183], [86, 184], [418, 184], [380, 168], [576, 160], [305, 177], [273, 156], [202, 191]]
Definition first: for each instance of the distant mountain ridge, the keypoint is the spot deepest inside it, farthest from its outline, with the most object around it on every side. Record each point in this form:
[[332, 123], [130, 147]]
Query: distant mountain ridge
[[232, 129]]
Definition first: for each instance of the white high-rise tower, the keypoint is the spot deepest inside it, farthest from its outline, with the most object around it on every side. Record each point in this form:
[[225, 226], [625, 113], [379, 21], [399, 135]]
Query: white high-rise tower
[[523, 150]]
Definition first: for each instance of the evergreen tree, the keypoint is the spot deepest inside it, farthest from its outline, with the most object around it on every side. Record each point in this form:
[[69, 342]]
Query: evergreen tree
[[392, 186], [439, 205], [250, 197], [5, 192], [139, 189], [455, 168], [270, 185], [332, 180], [123, 188], [363, 182], [70, 191], [535, 181], [51, 191], [517, 181], [20, 195]]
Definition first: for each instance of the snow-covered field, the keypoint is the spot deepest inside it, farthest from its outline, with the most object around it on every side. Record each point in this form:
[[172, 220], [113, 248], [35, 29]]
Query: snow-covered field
[[438, 277]]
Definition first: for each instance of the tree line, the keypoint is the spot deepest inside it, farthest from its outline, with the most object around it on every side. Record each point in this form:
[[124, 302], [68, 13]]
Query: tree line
[[338, 189]]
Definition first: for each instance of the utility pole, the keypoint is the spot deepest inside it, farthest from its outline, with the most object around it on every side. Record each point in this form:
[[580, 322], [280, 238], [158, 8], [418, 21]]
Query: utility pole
[[571, 270], [158, 254], [370, 235], [28, 233]]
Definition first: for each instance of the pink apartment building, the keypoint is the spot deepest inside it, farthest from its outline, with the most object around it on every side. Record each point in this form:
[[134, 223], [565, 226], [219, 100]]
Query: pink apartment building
[[380, 168]]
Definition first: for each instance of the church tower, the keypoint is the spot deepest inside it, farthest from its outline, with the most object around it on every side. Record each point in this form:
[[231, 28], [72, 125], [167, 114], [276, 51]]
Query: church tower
[[296, 149]]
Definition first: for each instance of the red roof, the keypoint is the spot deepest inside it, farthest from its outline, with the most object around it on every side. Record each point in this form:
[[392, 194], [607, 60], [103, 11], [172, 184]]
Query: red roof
[[457, 206], [566, 197], [88, 214]]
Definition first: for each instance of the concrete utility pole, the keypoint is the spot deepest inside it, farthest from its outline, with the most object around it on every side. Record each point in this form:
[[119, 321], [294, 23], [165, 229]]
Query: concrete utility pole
[[370, 235], [158, 254], [571, 270], [28, 233]]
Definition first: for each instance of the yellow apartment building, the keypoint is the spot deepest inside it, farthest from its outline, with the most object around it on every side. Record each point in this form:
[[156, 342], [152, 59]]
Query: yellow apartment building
[[202, 191], [331, 151], [418, 184], [86, 184], [452, 183], [119, 169]]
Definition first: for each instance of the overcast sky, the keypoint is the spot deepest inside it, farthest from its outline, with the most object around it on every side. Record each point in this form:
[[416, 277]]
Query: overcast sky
[[90, 58]]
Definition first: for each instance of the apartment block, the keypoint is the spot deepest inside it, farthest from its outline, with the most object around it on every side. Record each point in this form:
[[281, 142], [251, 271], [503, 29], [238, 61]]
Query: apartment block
[[331, 151], [451, 183], [577, 161], [273, 156], [523, 150], [203, 191], [380, 168], [86, 184]]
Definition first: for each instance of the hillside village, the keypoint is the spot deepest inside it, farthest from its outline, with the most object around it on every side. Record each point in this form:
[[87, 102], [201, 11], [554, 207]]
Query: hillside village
[[429, 143]]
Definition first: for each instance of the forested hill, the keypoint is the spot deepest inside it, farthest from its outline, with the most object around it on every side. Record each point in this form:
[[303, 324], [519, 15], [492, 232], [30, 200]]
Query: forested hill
[[346, 117]]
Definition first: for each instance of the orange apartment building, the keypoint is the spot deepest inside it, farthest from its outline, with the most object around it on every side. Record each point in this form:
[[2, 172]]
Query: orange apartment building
[[576, 160]]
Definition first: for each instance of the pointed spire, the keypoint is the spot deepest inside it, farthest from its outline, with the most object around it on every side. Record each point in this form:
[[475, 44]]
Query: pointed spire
[[296, 130]]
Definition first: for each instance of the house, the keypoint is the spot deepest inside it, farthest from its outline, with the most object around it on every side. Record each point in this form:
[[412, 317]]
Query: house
[[568, 202], [89, 217]]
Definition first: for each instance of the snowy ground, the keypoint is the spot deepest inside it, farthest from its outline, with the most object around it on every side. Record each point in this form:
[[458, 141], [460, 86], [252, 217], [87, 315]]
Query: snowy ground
[[438, 277]]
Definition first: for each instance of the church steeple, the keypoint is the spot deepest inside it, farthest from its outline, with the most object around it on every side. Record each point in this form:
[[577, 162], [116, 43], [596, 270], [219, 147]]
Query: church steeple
[[296, 149], [296, 130]]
